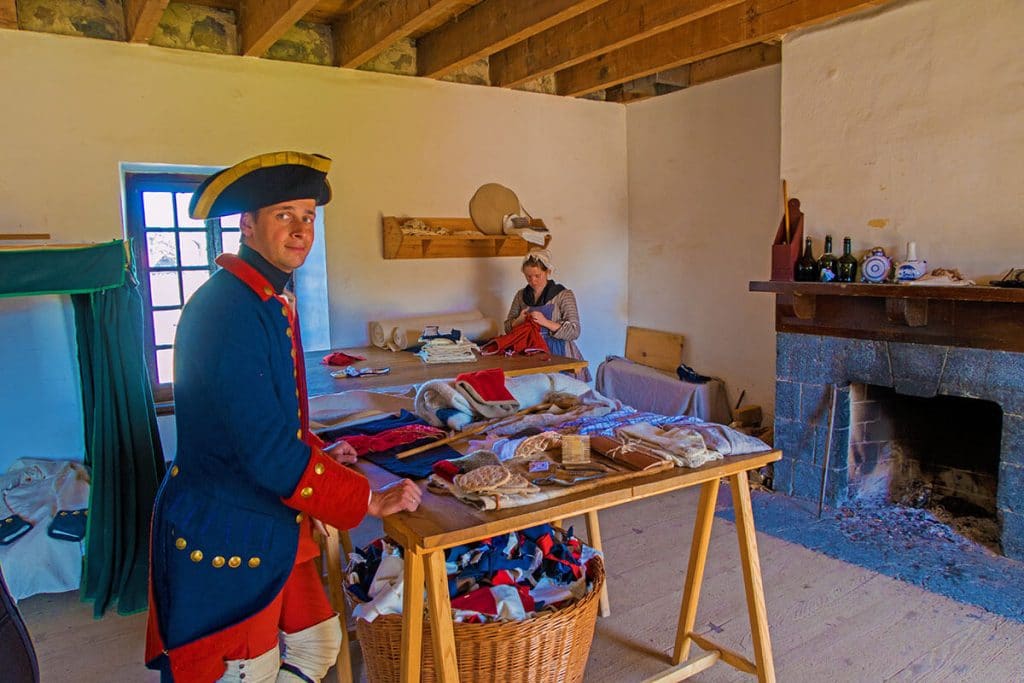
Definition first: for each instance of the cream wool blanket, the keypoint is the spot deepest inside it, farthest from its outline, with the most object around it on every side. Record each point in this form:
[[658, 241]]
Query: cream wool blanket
[[682, 445], [528, 390]]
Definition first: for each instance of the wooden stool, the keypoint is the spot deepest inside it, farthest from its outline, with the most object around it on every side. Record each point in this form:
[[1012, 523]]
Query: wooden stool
[[331, 547]]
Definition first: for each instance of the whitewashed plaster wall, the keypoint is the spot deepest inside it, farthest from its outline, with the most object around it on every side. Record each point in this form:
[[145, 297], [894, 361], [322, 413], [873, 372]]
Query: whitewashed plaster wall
[[908, 124], [77, 108], [704, 200]]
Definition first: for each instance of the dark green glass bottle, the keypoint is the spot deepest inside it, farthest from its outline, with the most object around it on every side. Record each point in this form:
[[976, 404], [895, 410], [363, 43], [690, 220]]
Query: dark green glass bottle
[[827, 262], [806, 267], [847, 265]]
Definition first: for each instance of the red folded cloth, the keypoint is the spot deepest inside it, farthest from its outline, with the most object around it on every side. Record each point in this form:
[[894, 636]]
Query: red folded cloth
[[485, 390], [388, 439], [489, 385], [341, 359]]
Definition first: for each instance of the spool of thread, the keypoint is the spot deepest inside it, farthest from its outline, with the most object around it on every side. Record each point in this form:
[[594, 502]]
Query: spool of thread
[[575, 449]]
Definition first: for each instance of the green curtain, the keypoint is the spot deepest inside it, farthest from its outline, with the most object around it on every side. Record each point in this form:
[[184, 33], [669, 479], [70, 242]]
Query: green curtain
[[122, 444], [122, 447]]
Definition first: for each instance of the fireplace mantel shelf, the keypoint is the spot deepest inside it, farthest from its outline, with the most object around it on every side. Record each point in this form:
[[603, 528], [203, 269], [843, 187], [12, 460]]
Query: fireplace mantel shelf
[[906, 304], [970, 293]]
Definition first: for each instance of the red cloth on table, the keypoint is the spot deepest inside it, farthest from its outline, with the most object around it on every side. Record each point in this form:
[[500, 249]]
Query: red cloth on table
[[341, 359], [386, 440]]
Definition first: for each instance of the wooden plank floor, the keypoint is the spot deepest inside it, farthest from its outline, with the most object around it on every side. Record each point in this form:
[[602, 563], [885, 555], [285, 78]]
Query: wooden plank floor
[[830, 621]]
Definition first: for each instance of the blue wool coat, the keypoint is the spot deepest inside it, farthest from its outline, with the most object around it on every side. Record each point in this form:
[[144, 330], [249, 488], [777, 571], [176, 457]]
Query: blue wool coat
[[229, 513]]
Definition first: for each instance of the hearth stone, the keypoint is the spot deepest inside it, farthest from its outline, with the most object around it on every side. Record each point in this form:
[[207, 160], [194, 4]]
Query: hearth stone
[[807, 364]]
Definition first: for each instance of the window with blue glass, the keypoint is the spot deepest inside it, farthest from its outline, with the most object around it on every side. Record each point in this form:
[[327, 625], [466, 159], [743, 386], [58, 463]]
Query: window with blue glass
[[174, 255]]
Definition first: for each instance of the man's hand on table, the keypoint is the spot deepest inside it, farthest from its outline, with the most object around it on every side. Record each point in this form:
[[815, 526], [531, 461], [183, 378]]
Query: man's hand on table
[[342, 452], [401, 496]]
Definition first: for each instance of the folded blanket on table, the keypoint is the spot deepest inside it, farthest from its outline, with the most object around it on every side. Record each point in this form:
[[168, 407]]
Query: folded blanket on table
[[440, 404], [486, 393], [682, 445]]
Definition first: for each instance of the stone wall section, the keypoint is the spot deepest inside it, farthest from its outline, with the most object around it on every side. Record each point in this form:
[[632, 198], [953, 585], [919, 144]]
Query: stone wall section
[[807, 364]]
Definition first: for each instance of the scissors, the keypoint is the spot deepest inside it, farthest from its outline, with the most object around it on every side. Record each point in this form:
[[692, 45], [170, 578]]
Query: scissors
[[554, 480]]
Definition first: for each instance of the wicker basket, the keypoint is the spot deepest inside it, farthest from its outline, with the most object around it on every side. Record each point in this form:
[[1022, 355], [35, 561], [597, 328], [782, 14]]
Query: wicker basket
[[553, 646]]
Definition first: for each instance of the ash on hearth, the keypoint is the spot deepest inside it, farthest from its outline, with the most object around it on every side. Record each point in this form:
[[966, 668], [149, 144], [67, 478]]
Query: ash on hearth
[[902, 525]]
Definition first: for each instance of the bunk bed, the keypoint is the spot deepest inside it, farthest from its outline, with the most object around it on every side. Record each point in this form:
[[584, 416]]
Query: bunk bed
[[122, 446]]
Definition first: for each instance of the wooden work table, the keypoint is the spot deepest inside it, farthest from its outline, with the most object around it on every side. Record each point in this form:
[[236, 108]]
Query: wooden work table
[[407, 369], [442, 522]]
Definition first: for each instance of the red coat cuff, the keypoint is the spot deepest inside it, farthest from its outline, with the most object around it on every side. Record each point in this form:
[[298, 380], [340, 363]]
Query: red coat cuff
[[330, 492]]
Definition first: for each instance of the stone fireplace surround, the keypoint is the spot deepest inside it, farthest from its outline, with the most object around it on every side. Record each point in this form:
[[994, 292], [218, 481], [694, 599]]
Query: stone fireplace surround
[[807, 364], [922, 341]]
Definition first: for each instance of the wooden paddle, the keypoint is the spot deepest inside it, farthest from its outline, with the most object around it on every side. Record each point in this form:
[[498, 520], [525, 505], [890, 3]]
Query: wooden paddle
[[473, 430]]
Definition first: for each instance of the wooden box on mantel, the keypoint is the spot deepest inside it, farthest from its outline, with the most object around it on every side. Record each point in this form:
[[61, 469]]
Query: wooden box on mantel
[[471, 242]]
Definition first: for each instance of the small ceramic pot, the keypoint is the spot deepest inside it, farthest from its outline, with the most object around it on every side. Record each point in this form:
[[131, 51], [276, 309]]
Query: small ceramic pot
[[876, 266]]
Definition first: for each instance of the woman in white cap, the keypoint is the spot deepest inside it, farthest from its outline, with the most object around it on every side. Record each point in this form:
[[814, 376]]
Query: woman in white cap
[[551, 305]]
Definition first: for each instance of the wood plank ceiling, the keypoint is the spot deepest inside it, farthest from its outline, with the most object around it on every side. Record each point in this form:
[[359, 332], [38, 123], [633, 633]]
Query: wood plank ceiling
[[617, 50]]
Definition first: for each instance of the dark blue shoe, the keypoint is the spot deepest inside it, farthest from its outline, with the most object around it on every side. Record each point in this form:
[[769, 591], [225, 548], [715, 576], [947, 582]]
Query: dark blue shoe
[[688, 374]]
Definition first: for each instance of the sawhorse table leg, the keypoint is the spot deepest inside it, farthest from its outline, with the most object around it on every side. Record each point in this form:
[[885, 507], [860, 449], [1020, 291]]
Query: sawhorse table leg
[[763, 665], [429, 566]]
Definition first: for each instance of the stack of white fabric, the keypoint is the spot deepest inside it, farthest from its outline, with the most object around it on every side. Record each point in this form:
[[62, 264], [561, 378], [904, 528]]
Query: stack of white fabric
[[442, 350]]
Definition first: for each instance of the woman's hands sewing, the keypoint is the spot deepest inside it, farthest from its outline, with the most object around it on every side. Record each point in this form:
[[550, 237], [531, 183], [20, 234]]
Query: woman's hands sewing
[[538, 317], [400, 496]]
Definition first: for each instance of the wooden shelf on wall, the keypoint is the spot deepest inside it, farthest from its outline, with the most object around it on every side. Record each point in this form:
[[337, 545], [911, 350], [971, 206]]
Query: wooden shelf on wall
[[976, 316], [470, 242]]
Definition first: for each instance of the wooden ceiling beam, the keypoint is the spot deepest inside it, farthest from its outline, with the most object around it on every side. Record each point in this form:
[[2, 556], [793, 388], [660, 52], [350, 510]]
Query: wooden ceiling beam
[[735, 62], [261, 23], [374, 25], [141, 17], [703, 71], [752, 22], [608, 27], [488, 27], [8, 14]]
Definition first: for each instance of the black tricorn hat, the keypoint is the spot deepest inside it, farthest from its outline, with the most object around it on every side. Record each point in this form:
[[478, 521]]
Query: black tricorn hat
[[261, 181]]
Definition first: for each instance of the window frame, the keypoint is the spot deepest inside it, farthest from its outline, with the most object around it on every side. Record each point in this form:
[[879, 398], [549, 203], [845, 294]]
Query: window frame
[[135, 184]]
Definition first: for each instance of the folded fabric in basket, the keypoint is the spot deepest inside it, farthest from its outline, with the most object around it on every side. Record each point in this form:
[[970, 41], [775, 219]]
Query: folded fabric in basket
[[68, 525], [12, 528], [486, 392]]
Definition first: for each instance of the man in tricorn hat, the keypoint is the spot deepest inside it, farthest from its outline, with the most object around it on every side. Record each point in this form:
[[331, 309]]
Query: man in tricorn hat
[[232, 547]]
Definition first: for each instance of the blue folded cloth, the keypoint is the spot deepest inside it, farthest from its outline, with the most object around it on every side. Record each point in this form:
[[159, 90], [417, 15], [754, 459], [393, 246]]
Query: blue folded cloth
[[12, 528], [68, 525]]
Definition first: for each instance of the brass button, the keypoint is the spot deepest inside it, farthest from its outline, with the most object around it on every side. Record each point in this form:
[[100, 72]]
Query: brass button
[[298, 434], [289, 332], [218, 562], [75, 512], [64, 513], [174, 470], [300, 413], [268, 291], [254, 562], [296, 392], [306, 492], [319, 468], [295, 374], [180, 544], [196, 556], [284, 311], [299, 517], [235, 562], [293, 353]]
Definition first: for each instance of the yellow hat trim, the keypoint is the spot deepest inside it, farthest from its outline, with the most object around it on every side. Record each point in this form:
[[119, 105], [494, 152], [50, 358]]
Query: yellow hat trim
[[269, 160]]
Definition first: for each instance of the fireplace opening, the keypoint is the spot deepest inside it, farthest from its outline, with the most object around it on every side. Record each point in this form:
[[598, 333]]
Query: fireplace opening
[[940, 454]]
